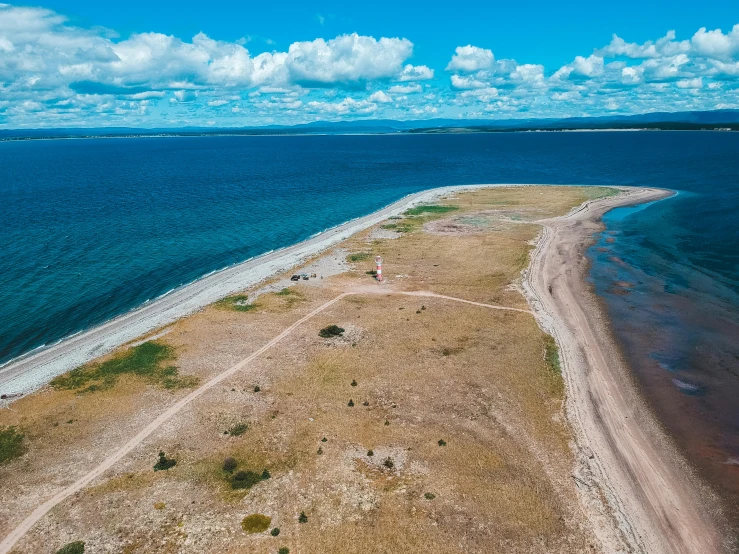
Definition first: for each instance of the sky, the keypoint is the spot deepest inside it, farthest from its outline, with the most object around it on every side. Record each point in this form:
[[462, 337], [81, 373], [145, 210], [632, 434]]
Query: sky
[[161, 63]]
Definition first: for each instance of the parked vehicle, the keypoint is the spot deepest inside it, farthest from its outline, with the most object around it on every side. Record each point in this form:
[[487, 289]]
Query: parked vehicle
[[295, 278]]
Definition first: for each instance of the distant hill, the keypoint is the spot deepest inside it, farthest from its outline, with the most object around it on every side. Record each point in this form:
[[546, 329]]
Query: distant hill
[[695, 120]]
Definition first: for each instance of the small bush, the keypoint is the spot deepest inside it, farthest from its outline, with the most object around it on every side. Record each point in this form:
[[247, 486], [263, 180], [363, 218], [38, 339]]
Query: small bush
[[266, 475], [256, 523], [388, 463], [330, 332], [229, 465], [11, 444], [274, 532], [77, 547], [245, 480], [429, 496], [302, 518], [442, 442], [238, 429], [164, 463], [365, 403], [387, 422], [370, 453], [257, 389], [284, 550], [320, 450], [324, 439], [354, 382], [351, 403]]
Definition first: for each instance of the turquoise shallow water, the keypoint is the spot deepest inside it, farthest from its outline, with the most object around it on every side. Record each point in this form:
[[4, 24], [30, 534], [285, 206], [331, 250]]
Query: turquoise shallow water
[[93, 228]]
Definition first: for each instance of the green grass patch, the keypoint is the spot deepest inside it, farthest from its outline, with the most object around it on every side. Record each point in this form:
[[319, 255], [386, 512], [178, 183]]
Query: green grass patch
[[358, 256], [600, 192], [431, 209], [551, 355], [405, 227], [11, 444], [256, 523], [236, 303], [145, 360]]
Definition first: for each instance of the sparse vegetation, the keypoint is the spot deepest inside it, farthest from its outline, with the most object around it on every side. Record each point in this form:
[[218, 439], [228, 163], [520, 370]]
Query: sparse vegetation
[[302, 518], [144, 360], [330, 332], [257, 389], [11, 444], [388, 463], [236, 303], [429, 496], [164, 463], [256, 523], [238, 429], [370, 453], [324, 439], [159, 505], [275, 532], [358, 257], [77, 547], [351, 403], [551, 355], [283, 550], [354, 382], [320, 450], [431, 209], [230, 465], [441, 442]]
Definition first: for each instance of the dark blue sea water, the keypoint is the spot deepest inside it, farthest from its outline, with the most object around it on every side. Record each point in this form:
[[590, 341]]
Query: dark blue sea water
[[92, 228]]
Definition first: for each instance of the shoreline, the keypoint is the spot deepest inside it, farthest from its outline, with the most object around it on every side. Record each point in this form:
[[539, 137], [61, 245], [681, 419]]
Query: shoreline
[[637, 489], [634, 487], [32, 370]]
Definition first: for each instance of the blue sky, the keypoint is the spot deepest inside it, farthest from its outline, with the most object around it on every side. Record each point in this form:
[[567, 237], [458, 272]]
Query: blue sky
[[163, 63]]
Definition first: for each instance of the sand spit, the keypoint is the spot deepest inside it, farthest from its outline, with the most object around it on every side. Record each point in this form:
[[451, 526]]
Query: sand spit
[[628, 471], [28, 373]]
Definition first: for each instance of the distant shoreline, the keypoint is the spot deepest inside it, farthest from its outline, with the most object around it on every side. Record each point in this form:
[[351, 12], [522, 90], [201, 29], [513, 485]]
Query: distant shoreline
[[722, 128]]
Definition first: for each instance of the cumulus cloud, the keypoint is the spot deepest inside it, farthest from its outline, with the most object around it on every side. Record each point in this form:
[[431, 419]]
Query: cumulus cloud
[[416, 73], [470, 58], [380, 96], [405, 89]]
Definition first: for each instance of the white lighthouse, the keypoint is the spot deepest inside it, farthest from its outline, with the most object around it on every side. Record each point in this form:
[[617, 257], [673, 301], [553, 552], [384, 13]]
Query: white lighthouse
[[378, 261]]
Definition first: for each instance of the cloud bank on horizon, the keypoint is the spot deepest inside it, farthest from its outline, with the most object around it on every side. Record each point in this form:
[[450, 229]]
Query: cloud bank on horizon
[[56, 74]]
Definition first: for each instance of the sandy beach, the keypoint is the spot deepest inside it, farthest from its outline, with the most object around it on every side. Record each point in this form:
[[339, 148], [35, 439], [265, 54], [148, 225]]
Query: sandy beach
[[657, 502], [635, 492]]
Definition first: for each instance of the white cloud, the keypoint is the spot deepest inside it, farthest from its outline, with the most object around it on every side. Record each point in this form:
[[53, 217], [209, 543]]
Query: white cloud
[[460, 82], [715, 44], [405, 89], [690, 83], [416, 73], [470, 58], [380, 96]]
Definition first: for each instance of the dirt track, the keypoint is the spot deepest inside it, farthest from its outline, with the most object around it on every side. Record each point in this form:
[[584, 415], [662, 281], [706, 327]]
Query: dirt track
[[658, 506]]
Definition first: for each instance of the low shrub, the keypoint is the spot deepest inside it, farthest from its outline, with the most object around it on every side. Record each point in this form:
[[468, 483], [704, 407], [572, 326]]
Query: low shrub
[[388, 463], [164, 463], [429, 496], [442, 442], [256, 523], [77, 547], [247, 479], [274, 532], [351, 403], [229, 465], [11, 444], [159, 505], [324, 439], [238, 429], [302, 518], [284, 550], [354, 382], [330, 332], [320, 450], [257, 389], [370, 453]]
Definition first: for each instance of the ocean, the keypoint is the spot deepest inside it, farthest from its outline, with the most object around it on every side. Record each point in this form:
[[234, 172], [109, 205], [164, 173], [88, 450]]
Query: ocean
[[95, 227]]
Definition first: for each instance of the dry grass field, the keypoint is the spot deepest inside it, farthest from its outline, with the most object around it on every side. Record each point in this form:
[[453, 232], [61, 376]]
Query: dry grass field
[[429, 426]]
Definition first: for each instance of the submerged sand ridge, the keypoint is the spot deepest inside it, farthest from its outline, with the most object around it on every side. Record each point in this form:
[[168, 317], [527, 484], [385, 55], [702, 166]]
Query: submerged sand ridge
[[436, 426]]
